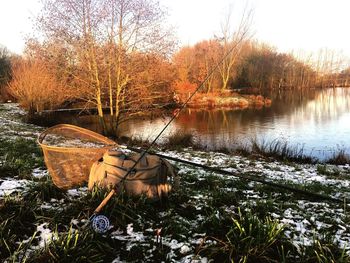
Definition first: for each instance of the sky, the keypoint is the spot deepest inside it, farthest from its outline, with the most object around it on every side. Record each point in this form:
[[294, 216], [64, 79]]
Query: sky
[[308, 25]]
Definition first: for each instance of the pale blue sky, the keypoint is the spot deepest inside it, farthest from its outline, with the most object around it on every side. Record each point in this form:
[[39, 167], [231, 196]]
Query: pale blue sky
[[287, 24]]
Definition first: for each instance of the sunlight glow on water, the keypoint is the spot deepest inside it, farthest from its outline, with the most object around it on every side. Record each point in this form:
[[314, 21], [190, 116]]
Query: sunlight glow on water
[[317, 120]]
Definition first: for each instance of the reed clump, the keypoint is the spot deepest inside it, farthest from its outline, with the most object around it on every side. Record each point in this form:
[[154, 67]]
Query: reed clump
[[179, 139], [339, 158], [280, 150]]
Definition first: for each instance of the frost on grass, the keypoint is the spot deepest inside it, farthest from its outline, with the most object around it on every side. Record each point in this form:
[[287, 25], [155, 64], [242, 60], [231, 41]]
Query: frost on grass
[[39, 173], [12, 126], [208, 197], [77, 192], [45, 235], [305, 220], [130, 236], [10, 186]]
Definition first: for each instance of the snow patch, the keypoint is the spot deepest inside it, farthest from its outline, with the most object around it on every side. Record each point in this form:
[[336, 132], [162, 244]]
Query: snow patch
[[10, 186], [40, 173], [45, 234]]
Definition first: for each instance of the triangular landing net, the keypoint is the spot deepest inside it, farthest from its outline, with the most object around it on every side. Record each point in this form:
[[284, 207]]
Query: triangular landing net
[[70, 151]]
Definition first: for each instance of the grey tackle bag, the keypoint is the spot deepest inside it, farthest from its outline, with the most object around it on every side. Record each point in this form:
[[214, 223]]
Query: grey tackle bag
[[151, 176]]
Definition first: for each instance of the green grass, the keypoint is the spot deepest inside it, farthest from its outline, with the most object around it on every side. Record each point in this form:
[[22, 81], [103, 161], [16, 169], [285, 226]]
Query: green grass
[[246, 235], [323, 251], [328, 171], [233, 226], [76, 246], [19, 157], [248, 239], [43, 190], [17, 222]]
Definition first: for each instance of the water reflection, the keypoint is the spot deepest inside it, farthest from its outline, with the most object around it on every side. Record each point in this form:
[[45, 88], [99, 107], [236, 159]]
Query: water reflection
[[318, 120]]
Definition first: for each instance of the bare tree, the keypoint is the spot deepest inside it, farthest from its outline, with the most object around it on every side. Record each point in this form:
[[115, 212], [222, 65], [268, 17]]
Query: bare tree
[[103, 35], [232, 40], [134, 26]]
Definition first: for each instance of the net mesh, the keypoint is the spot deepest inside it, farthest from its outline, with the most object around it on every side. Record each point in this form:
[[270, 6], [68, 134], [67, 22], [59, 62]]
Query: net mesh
[[69, 152]]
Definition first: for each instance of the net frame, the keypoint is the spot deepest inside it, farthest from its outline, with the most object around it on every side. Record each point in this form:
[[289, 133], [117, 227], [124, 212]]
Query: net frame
[[70, 166]]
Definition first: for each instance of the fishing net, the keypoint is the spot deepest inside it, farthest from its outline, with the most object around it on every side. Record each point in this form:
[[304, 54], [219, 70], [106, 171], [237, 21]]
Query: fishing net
[[70, 151]]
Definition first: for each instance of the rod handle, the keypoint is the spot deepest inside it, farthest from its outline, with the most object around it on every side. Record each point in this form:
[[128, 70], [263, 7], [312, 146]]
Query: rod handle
[[104, 201]]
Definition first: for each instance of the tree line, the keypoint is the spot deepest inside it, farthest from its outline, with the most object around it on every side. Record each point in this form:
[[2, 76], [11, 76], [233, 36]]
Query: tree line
[[123, 56]]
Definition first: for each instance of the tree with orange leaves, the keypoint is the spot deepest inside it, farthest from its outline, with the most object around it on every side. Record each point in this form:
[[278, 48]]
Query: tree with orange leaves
[[105, 38]]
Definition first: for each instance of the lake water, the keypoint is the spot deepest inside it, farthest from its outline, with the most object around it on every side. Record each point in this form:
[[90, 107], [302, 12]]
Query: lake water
[[317, 120]]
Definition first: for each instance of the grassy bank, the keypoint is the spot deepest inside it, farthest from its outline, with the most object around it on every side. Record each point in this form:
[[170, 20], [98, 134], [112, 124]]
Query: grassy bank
[[209, 216], [279, 150]]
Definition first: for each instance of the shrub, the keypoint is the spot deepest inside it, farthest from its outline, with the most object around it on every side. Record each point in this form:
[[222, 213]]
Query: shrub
[[35, 87]]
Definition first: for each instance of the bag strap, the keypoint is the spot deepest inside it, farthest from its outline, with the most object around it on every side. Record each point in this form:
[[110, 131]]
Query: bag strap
[[127, 168], [143, 162]]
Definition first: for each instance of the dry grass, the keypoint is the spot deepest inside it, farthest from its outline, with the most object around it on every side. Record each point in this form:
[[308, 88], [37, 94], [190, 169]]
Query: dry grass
[[339, 158], [180, 139]]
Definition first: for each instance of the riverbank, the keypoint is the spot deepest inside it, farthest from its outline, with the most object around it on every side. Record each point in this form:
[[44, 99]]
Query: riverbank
[[210, 216]]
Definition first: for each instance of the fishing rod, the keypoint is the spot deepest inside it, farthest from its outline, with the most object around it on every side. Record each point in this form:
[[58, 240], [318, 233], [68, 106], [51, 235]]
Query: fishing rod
[[244, 176], [100, 223]]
